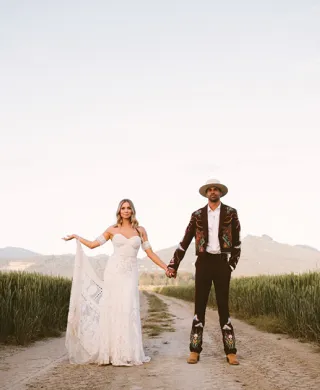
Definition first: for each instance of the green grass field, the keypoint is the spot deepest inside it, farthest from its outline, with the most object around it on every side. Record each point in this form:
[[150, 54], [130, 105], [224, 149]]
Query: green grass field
[[287, 304], [32, 306]]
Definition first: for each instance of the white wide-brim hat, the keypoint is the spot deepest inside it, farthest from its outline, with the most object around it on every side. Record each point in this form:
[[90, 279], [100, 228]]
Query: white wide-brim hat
[[213, 183]]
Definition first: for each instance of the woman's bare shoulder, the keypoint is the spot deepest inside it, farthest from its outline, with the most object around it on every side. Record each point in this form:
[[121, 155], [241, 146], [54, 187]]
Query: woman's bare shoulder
[[113, 228], [141, 229]]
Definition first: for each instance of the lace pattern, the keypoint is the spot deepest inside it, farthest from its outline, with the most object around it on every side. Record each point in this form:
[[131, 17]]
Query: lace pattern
[[82, 337], [101, 239], [146, 245]]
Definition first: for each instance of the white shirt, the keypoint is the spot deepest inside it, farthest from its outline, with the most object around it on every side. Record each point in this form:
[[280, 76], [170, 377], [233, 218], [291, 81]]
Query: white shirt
[[213, 230]]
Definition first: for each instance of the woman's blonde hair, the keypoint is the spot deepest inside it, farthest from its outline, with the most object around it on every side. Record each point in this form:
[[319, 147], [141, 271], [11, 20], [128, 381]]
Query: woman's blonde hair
[[134, 221]]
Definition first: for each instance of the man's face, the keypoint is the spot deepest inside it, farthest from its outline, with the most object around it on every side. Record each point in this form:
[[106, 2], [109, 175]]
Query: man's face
[[214, 194]]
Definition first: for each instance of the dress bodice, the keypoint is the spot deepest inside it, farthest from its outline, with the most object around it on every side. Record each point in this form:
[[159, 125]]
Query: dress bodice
[[124, 246]]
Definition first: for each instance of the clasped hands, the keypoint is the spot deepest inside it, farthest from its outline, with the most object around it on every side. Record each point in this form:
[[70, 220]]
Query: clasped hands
[[171, 273]]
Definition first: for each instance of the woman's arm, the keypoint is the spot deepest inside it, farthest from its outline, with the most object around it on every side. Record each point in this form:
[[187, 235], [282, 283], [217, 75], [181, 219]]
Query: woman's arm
[[147, 248], [91, 244]]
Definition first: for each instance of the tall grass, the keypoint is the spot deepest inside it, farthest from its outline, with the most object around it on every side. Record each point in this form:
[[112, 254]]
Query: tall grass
[[291, 303], [32, 306]]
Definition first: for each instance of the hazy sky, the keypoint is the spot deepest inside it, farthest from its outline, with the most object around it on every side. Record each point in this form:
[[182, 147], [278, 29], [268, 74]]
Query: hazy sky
[[103, 100]]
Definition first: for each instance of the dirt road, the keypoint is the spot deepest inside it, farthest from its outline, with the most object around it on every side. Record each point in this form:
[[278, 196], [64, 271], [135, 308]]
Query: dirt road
[[268, 362]]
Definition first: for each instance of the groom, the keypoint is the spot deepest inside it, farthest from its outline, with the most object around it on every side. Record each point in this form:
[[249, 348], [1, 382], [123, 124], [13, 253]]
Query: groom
[[216, 229]]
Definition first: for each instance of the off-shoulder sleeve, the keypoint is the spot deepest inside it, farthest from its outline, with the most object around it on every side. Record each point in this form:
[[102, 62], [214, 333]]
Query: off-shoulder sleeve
[[101, 239], [146, 245]]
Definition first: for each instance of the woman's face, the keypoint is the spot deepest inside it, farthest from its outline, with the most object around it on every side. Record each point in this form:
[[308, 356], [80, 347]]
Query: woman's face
[[125, 211]]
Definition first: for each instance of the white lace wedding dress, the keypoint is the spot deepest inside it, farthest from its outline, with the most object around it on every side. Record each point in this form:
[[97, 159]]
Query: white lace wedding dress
[[104, 324]]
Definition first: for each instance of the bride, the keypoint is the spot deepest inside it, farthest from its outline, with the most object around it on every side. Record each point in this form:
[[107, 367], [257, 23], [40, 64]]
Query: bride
[[104, 324]]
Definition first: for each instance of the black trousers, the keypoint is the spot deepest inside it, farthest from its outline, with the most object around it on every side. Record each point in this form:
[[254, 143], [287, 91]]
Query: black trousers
[[212, 268]]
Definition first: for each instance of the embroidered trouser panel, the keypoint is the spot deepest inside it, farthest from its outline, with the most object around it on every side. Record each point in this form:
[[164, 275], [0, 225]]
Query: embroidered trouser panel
[[212, 269]]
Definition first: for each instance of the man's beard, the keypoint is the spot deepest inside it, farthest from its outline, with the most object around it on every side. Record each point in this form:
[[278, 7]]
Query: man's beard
[[214, 200]]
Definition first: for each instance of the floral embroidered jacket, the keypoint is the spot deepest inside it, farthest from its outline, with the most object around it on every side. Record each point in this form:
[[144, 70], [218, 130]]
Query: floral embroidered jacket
[[229, 235]]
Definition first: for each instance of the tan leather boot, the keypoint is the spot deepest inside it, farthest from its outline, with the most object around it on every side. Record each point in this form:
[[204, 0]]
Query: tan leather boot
[[193, 358], [232, 359]]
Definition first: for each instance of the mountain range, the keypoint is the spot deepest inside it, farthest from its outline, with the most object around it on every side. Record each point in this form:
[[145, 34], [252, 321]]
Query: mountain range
[[260, 255]]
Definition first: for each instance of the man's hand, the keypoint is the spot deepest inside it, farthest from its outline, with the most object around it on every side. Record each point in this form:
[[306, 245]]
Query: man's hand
[[171, 273]]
